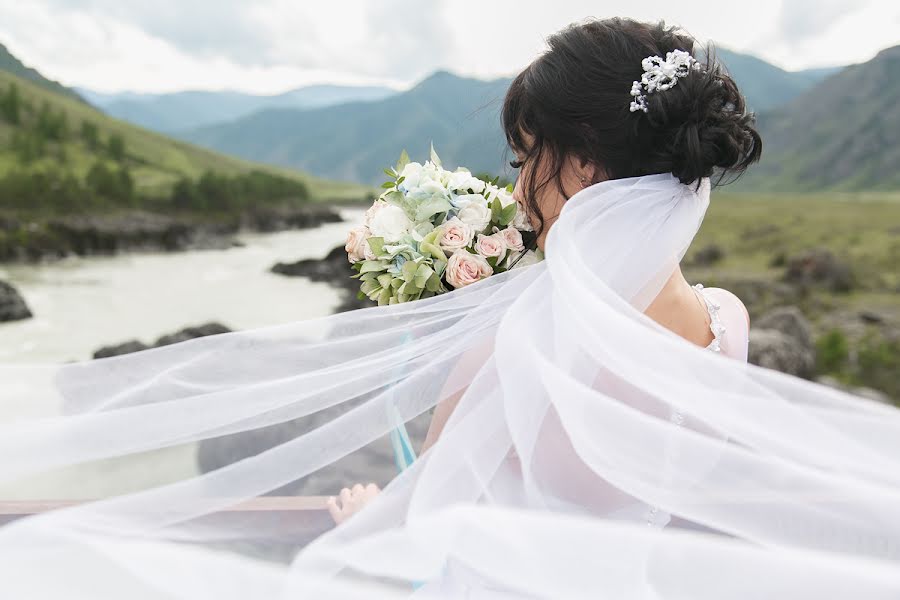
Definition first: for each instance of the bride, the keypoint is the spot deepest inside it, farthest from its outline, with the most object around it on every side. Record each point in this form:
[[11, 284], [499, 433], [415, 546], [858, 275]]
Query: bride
[[597, 431]]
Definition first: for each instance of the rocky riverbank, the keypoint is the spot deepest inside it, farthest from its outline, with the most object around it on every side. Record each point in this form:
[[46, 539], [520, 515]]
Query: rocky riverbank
[[334, 269], [26, 240]]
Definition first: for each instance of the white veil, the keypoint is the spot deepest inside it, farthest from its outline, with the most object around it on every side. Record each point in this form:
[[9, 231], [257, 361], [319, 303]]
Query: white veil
[[556, 476]]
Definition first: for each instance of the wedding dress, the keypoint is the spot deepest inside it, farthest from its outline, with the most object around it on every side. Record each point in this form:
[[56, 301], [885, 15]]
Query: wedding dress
[[593, 452]]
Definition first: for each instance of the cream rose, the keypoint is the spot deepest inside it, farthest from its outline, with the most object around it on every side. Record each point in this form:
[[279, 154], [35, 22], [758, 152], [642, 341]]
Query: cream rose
[[475, 214], [513, 239], [465, 268], [491, 246], [456, 235], [356, 245], [390, 223]]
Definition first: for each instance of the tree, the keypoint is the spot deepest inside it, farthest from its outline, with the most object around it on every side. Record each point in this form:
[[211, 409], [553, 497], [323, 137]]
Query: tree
[[90, 134], [10, 104], [116, 147]]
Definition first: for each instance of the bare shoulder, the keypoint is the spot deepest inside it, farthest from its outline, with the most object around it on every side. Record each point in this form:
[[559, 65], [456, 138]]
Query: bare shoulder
[[727, 296]]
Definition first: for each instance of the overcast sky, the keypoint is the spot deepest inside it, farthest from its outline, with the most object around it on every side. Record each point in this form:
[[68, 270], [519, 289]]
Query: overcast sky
[[269, 46]]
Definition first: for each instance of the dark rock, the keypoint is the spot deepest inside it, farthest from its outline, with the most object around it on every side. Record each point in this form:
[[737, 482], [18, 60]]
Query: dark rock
[[335, 269], [788, 320], [12, 305], [187, 333], [271, 219], [868, 316], [819, 268], [119, 349], [776, 350]]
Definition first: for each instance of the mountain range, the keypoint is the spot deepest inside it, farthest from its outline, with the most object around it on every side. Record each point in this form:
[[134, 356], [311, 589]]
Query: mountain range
[[355, 141], [189, 109]]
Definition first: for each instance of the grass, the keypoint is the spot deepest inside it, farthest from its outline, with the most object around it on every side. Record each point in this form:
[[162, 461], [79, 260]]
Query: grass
[[160, 161]]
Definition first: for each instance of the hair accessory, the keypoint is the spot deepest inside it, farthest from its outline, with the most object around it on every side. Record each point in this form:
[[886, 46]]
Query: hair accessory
[[661, 75]]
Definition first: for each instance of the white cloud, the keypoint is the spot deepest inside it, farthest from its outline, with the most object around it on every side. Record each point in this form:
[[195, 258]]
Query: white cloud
[[269, 46]]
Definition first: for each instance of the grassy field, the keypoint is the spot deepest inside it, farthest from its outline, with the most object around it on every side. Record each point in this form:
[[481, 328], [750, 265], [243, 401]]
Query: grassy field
[[857, 331], [156, 161]]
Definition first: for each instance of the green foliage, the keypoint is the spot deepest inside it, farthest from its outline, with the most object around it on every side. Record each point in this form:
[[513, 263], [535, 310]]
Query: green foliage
[[90, 134], [116, 147], [52, 124], [216, 191], [11, 104], [832, 352], [110, 184]]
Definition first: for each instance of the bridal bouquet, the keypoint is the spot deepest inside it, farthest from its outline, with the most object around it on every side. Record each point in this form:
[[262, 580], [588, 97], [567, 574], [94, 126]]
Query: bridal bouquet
[[434, 230]]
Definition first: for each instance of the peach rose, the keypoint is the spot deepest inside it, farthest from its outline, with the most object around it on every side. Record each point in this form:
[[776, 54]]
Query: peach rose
[[456, 235], [464, 268], [491, 246], [357, 248], [513, 238]]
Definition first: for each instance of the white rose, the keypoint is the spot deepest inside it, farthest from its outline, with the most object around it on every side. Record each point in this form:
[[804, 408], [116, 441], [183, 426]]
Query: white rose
[[506, 198], [475, 214], [356, 245], [372, 210], [465, 268], [462, 179], [491, 246], [412, 173], [513, 239], [390, 223], [456, 235]]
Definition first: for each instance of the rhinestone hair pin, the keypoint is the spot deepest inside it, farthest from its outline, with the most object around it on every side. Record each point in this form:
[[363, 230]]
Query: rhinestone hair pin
[[661, 75]]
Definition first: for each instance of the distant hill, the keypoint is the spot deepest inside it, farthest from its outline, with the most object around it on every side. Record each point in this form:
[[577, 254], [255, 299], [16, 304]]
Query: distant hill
[[461, 115], [11, 64], [168, 113], [840, 134], [355, 141], [57, 132], [766, 86]]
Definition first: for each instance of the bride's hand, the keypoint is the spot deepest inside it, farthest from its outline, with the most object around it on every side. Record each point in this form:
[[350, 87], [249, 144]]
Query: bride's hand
[[351, 501]]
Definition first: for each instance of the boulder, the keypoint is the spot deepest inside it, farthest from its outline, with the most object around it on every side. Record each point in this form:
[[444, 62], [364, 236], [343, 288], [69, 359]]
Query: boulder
[[12, 305], [818, 267], [187, 333], [782, 339]]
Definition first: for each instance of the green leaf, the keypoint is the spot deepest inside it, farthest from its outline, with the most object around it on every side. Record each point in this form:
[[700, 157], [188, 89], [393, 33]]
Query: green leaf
[[408, 270], [385, 279], [388, 185], [496, 209], [390, 173], [404, 160], [434, 282], [431, 207], [434, 157], [507, 214], [372, 265], [376, 244], [509, 187], [368, 287], [423, 273]]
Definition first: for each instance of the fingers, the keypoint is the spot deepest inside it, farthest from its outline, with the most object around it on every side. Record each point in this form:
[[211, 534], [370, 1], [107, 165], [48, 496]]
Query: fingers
[[351, 501], [334, 510]]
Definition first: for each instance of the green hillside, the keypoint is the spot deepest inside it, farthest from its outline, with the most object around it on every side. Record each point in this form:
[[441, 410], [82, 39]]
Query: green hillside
[[11, 64], [53, 133], [840, 135]]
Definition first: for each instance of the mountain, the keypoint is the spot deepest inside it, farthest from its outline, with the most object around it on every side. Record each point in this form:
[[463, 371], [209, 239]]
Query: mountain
[[49, 130], [11, 64], [841, 134], [766, 86], [355, 141], [168, 113]]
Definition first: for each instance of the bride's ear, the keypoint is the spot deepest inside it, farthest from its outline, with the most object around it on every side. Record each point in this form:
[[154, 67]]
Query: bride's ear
[[591, 171]]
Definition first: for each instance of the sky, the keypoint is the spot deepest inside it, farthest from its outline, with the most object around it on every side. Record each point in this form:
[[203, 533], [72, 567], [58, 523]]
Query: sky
[[271, 46]]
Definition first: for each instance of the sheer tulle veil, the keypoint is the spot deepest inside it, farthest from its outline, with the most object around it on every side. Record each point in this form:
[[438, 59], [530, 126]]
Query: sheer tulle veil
[[556, 476]]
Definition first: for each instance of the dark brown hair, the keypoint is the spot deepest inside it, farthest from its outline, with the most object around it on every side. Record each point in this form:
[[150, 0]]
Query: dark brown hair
[[574, 100]]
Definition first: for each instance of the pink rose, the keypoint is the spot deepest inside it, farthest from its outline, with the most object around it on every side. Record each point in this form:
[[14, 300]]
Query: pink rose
[[491, 246], [456, 235], [464, 268], [356, 245], [513, 239]]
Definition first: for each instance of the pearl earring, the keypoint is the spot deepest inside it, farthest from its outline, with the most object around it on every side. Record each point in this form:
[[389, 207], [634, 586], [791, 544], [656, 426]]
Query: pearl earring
[[582, 182]]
